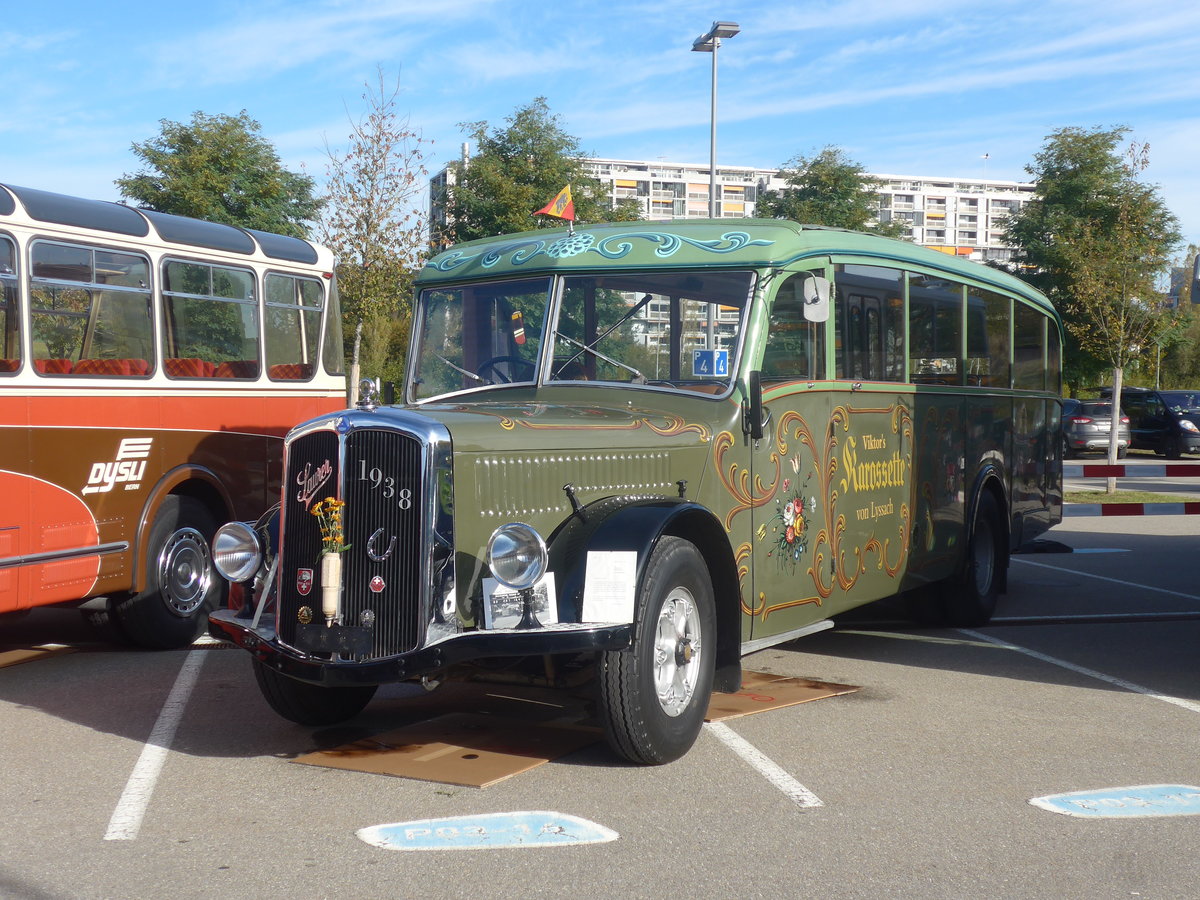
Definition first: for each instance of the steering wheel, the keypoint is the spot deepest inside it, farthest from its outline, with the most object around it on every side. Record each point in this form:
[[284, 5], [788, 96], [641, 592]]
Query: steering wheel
[[490, 365]]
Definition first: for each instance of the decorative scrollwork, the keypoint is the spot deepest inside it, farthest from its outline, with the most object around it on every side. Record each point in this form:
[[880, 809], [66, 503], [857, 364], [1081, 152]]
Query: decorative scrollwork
[[613, 246]]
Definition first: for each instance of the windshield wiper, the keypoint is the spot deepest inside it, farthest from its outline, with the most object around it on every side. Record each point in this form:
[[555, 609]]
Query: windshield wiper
[[457, 368], [591, 348], [638, 377]]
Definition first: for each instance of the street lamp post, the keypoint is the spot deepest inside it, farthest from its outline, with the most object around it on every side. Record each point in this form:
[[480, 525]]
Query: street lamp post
[[708, 43]]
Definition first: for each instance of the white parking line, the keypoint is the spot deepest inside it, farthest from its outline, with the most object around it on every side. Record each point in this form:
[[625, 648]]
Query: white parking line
[[764, 766], [127, 817], [1132, 584], [1090, 673]]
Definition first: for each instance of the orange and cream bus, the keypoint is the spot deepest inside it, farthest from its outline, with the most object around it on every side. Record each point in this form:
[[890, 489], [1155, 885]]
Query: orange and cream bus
[[150, 365]]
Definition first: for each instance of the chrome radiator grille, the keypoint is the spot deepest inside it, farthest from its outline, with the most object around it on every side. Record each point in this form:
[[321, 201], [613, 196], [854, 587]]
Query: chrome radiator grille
[[379, 475]]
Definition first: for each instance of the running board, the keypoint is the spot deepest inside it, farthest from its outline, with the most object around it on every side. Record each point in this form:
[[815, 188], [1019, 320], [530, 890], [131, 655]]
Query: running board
[[764, 643]]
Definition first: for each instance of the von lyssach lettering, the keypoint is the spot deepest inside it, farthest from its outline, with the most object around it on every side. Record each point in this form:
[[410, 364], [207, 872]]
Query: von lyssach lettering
[[129, 468]]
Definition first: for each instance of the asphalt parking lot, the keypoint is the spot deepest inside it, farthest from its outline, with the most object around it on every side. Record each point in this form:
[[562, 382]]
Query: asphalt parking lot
[[134, 774]]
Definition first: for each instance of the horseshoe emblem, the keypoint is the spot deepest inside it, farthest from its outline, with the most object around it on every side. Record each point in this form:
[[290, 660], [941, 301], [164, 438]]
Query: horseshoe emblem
[[373, 553]]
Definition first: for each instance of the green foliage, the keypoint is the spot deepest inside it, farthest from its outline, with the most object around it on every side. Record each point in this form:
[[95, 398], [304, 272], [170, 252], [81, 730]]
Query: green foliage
[[827, 189], [371, 222], [221, 169], [1096, 240], [517, 170]]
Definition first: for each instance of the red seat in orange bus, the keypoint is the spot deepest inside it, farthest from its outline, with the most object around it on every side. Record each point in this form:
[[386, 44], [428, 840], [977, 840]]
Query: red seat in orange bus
[[290, 372], [238, 368], [53, 366], [188, 367], [9, 365], [111, 367]]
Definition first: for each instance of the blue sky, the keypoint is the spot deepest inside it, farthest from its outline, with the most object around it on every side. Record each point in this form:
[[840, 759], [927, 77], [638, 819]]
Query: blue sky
[[903, 86]]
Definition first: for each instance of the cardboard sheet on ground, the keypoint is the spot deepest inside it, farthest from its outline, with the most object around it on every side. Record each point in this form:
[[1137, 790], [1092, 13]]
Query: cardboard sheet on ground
[[19, 655], [762, 691], [477, 750], [461, 748]]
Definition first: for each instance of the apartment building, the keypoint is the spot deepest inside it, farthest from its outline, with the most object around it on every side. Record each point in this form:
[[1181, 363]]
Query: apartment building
[[962, 216]]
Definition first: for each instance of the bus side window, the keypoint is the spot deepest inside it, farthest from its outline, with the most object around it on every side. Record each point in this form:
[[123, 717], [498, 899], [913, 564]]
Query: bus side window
[[293, 323], [210, 321], [90, 311], [935, 313], [10, 314], [870, 323]]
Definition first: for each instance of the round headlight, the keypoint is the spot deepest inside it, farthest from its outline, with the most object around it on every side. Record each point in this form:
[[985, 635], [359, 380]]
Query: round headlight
[[516, 555], [237, 552]]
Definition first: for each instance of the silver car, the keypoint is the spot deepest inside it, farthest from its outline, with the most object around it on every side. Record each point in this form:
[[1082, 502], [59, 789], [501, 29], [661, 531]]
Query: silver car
[[1086, 428]]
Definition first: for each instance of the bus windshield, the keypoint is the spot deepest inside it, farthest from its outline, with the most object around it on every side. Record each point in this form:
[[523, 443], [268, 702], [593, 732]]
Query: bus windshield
[[665, 330]]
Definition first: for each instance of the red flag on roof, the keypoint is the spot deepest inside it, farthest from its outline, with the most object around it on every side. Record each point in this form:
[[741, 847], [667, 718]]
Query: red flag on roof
[[562, 206]]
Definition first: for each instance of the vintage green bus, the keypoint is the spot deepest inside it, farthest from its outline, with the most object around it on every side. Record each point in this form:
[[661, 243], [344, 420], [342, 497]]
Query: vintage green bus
[[645, 449]]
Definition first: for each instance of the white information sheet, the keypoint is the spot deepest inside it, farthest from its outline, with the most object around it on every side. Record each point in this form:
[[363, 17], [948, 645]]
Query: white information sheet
[[609, 585]]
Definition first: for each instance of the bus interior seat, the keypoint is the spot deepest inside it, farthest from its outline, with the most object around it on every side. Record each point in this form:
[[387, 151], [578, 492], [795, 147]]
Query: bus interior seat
[[189, 367], [120, 367], [9, 365], [290, 372], [53, 366], [238, 368]]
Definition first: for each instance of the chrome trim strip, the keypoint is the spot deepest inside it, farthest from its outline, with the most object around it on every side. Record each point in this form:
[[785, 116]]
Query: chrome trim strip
[[29, 559]]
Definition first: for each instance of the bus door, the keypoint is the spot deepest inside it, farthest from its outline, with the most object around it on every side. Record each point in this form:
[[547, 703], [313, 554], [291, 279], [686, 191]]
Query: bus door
[[790, 572]]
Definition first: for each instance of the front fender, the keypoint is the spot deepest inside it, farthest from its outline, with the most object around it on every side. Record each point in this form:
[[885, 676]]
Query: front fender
[[622, 524]]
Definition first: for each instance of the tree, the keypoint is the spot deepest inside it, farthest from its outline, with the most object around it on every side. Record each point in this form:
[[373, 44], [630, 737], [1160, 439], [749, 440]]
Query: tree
[[827, 189], [1100, 239], [519, 169], [372, 223], [1180, 363], [1095, 240], [221, 169]]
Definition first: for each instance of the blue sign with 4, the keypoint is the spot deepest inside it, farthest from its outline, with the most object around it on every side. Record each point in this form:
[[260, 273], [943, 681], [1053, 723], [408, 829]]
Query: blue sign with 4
[[490, 831], [1126, 802], [710, 363]]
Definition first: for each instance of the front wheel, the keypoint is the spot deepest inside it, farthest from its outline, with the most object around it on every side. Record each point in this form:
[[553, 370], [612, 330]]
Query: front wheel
[[182, 585], [968, 598], [653, 696], [311, 704]]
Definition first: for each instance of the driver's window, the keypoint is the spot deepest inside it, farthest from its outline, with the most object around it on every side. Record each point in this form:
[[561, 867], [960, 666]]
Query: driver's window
[[795, 347]]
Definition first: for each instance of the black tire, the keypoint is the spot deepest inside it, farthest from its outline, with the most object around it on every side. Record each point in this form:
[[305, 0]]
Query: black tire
[[1068, 453], [654, 696], [182, 585], [310, 704], [1174, 448], [968, 599]]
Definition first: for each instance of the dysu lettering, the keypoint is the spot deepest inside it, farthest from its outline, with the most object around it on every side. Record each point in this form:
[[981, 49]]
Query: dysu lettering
[[104, 476]]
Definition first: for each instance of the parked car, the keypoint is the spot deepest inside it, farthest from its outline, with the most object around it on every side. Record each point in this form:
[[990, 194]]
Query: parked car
[[1167, 422], [1087, 425]]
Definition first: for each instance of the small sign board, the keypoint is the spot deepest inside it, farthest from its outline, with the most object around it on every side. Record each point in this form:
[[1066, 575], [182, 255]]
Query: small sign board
[[1125, 802], [710, 363], [490, 831]]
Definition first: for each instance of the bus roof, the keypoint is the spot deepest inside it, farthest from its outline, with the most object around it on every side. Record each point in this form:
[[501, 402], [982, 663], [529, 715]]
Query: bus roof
[[695, 243], [116, 218]]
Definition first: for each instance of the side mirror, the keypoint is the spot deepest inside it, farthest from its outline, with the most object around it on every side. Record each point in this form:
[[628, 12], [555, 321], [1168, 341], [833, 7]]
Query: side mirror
[[816, 298], [754, 416]]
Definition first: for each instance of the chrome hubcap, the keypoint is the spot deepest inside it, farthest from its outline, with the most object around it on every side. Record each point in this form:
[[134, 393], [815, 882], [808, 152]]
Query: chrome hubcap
[[678, 648], [184, 571]]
